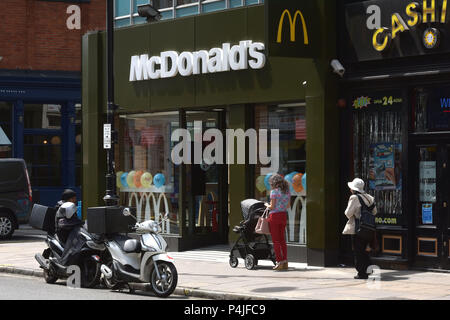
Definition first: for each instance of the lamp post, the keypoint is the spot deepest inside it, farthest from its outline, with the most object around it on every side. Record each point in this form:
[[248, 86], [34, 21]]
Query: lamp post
[[111, 198]]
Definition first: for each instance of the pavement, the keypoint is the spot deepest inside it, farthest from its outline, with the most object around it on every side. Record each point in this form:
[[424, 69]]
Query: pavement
[[205, 273]]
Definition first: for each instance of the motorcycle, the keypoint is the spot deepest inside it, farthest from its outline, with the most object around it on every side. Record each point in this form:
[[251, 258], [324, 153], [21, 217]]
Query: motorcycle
[[142, 260], [87, 259]]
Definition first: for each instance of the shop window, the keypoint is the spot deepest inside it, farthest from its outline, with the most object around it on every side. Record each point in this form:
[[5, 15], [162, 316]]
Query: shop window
[[5, 125], [431, 109], [290, 119], [42, 116], [146, 177], [42, 154], [377, 151]]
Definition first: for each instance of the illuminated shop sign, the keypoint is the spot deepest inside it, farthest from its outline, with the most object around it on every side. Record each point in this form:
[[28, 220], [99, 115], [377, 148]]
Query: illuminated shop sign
[[416, 14], [380, 29], [171, 63]]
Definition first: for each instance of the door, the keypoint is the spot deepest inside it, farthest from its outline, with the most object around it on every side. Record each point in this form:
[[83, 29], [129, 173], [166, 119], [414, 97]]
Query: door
[[206, 184], [432, 196]]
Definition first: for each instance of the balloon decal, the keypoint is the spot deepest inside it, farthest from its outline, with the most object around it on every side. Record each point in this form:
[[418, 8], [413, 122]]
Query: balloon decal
[[266, 181], [159, 180], [260, 184], [146, 179], [123, 179], [130, 179]]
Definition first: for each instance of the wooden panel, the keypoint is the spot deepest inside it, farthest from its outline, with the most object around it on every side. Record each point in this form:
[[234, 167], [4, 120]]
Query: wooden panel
[[427, 247], [389, 249]]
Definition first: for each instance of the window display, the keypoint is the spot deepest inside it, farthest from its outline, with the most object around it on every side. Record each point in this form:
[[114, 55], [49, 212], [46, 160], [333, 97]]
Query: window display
[[146, 177], [290, 119], [377, 153]]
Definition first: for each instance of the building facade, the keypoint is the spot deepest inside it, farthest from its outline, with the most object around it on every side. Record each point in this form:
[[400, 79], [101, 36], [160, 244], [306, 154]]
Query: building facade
[[40, 88], [395, 124], [217, 71]]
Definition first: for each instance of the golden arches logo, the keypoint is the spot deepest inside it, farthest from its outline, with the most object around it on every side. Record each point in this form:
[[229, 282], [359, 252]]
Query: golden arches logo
[[292, 24]]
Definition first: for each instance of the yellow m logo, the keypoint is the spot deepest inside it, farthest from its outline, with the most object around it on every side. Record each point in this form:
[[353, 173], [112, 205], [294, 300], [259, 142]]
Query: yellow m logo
[[292, 24]]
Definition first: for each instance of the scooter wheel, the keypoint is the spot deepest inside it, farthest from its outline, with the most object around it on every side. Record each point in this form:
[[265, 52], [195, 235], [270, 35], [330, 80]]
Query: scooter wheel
[[165, 284], [233, 262]]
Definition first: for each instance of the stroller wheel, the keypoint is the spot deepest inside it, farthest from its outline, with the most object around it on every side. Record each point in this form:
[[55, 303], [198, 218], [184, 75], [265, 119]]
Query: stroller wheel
[[233, 262], [250, 262]]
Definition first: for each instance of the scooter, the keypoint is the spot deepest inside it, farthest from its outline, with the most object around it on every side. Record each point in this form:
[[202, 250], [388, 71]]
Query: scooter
[[88, 260], [142, 260]]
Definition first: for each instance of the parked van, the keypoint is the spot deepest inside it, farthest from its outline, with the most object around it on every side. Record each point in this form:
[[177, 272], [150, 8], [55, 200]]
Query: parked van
[[15, 196]]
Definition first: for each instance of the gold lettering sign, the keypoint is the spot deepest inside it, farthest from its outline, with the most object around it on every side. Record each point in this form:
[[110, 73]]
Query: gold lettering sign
[[382, 36], [292, 25]]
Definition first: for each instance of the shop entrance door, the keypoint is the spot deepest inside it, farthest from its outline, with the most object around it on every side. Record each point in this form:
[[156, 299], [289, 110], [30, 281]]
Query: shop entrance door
[[431, 204], [206, 184]]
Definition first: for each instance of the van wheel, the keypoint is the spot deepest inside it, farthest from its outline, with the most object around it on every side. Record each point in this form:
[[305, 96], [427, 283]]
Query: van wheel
[[6, 226]]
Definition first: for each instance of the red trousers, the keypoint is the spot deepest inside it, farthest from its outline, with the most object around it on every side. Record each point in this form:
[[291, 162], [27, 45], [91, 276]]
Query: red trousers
[[277, 224]]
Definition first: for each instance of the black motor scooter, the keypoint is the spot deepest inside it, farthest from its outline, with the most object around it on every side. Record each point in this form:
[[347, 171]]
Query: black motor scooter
[[86, 254]]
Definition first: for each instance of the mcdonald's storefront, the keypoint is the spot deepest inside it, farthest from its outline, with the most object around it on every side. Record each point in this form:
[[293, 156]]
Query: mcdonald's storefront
[[220, 71]]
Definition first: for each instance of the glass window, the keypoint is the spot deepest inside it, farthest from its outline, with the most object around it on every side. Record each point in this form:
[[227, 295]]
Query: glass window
[[162, 4], [42, 154], [431, 109], [5, 124], [146, 176], [290, 119], [181, 2], [137, 3], [377, 149], [122, 8], [42, 116]]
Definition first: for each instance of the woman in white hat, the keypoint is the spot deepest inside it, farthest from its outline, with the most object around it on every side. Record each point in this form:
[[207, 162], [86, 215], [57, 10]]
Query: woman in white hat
[[353, 211]]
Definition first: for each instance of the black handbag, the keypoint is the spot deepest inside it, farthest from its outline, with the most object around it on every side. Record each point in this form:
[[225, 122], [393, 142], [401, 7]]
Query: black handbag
[[365, 226]]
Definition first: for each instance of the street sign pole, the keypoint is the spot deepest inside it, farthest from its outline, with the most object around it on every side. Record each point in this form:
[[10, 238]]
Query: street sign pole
[[111, 198]]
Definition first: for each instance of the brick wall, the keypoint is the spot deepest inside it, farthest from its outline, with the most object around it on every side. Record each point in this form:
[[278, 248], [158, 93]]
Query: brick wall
[[34, 34]]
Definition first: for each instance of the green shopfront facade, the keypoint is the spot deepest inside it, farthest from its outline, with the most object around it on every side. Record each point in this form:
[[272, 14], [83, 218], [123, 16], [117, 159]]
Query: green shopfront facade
[[295, 95]]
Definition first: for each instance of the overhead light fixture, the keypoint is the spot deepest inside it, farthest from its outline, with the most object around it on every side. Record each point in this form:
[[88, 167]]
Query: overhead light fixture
[[149, 12]]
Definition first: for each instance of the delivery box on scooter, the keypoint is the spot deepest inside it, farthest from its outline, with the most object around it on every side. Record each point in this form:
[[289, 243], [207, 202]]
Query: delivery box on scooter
[[108, 220], [43, 218]]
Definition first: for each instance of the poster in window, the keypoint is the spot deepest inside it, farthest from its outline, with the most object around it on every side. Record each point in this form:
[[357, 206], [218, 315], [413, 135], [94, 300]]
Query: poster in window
[[427, 213], [427, 181], [384, 163]]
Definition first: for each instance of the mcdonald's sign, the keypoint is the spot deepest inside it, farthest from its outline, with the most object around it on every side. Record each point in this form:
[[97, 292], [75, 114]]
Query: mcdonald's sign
[[292, 29]]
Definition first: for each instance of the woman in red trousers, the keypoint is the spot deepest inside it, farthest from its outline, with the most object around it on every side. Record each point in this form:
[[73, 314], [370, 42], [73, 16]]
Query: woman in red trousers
[[279, 203]]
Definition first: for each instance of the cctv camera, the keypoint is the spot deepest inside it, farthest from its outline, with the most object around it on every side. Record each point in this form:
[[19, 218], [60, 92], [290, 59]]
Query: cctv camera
[[337, 67], [148, 11]]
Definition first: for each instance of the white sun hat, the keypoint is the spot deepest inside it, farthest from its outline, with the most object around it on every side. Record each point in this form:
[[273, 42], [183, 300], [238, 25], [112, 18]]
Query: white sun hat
[[357, 185]]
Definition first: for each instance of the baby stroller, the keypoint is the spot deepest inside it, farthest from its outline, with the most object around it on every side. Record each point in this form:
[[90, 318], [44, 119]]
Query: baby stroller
[[251, 246]]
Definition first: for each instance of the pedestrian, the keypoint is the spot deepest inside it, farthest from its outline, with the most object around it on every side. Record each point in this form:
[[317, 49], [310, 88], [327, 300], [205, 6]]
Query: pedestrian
[[353, 211], [279, 204]]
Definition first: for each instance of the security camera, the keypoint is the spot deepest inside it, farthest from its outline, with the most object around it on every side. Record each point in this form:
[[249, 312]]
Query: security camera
[[337, 67], [148, 11]]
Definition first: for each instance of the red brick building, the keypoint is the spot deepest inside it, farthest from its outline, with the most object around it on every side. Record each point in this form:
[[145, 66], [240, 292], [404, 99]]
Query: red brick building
[[34, 34], [40, 88]]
